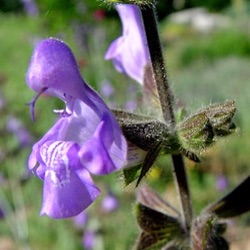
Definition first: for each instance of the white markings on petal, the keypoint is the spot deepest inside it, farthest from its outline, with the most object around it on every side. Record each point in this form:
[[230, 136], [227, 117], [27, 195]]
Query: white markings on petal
[[56, 160], [135, 155]]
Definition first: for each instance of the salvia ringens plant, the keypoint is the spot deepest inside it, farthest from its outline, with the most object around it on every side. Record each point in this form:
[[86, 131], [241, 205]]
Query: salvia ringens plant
[[86, 139], [189, 137]]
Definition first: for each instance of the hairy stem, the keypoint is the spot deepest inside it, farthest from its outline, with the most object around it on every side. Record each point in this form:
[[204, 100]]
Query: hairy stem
[[166, 100], [158, 65]]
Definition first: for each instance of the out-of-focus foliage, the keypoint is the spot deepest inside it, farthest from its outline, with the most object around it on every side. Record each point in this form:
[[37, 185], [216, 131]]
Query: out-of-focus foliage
[[217, 45], [210, 4], [58, 13], [10, 5]]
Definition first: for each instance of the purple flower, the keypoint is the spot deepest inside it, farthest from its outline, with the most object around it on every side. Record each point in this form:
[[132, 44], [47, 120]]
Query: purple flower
[[109, 203], [107, 89], [129, 52], [81, 220], [16, 127], [30, 7], [2, 214], [88, 240], [221, 182], [85, 139]]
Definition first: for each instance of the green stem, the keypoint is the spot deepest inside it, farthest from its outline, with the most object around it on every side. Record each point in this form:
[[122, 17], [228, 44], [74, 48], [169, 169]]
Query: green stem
[[166, 100]]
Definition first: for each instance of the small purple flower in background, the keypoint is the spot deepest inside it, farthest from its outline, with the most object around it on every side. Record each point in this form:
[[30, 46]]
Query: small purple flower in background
[[109, 203], [30, 7], [107, 89], [85, 139], [221, 182], [81, 220], [88, 240], [129, 52], [15, 127], [93, 236], [2, 214]]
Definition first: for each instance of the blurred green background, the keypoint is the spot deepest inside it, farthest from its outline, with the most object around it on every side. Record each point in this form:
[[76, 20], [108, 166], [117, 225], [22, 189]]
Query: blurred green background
[[205, 64]]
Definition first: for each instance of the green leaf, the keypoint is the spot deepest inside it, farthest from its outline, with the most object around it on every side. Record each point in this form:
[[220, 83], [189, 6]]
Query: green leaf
[[152, 221], [131, 174], [149, 160]]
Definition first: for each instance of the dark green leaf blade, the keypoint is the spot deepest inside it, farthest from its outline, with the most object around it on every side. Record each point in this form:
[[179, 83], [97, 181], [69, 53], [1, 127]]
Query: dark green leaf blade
[[235, 203], [131, 174], [158, 229], [154, 242], [149, 160], [152, 221]]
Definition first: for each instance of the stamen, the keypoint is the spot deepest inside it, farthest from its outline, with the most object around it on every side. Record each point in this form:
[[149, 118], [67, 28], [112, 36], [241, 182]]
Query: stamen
[[33, 102], [62, 112]]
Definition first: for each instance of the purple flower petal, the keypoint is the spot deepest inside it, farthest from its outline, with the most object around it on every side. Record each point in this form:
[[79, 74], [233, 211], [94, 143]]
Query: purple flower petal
[[129, 52], [101, 154], [68, 189], [103, 146], [53, 67], [2, 214], [67, 200]]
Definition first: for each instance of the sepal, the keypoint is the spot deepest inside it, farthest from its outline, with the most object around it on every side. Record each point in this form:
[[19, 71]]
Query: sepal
[[158, 221], [201, 130], [136, 2], [131, 174]]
